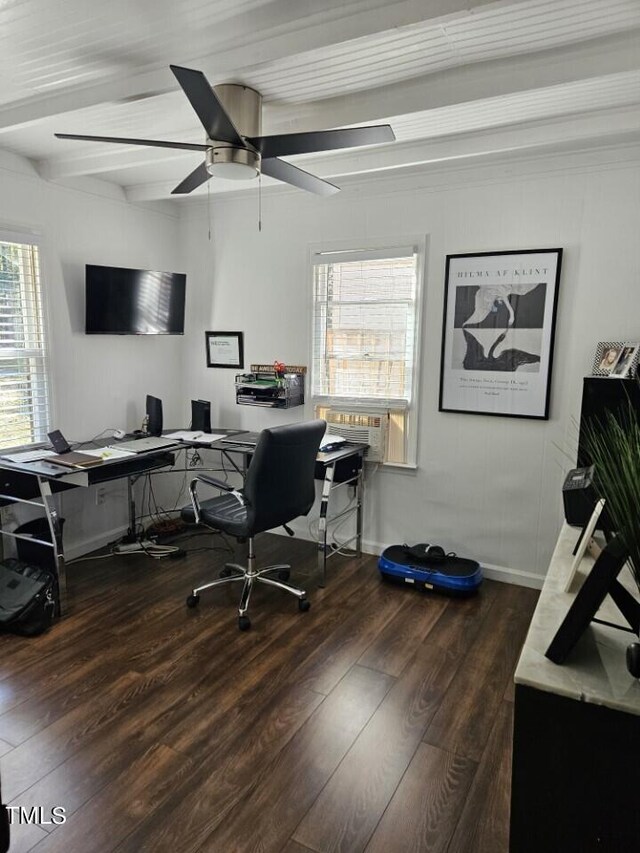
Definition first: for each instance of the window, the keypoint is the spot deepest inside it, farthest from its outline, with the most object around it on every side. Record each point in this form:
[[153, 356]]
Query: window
[[24, 399], [365, 332]]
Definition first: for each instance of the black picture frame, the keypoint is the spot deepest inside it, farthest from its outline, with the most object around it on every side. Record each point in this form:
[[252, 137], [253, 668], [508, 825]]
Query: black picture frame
[[225, 349], [601, 581], [498, 331]]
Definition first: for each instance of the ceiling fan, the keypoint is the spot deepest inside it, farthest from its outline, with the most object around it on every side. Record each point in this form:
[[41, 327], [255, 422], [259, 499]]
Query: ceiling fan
[[232, 117]]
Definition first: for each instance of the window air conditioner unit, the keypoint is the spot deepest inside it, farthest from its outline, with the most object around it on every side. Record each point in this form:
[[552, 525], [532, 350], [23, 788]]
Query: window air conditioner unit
[[366, 427]]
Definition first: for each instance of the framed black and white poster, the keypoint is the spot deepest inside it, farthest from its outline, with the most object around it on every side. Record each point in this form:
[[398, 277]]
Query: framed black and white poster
[[498, 328], [224, 349]]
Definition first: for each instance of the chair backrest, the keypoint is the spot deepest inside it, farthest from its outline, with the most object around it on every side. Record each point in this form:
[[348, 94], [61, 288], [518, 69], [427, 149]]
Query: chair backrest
[[279, 485]]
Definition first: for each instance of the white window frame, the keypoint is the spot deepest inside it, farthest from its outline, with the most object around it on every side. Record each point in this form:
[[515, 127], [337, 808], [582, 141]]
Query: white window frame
[[18, 235], [379, 245]]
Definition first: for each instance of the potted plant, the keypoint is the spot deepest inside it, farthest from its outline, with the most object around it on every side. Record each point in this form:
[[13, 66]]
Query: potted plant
[[614, 447]]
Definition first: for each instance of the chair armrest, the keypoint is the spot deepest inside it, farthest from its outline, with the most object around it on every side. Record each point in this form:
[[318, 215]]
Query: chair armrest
[[212, 481]]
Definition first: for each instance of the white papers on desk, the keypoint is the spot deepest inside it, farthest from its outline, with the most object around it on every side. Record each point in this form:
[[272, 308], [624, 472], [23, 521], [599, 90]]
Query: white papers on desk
[[28, 455], [195, 436], [110, 453]]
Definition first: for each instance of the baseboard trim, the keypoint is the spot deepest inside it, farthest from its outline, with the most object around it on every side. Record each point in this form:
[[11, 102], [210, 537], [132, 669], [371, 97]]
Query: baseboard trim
[[516, 576], [503, 574], [78, 549]]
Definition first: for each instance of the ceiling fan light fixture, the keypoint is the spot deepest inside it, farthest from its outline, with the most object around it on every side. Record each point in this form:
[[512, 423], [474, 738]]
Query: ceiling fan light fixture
[[235, 149], [234, 164]]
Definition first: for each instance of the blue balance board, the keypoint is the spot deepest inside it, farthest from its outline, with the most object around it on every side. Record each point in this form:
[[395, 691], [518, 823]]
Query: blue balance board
[[455, 575]]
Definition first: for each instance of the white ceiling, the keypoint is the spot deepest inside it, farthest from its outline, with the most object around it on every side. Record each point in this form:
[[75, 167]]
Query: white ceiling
[[455, 78]]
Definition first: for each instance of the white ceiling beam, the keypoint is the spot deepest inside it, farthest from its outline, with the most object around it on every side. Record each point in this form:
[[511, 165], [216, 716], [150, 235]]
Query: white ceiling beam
[[112, 158], [118, 158], [463, 84], [604, 127], [271, 32]]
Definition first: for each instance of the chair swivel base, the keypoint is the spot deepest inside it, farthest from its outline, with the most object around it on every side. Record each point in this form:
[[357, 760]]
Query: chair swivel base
[[234, 573]]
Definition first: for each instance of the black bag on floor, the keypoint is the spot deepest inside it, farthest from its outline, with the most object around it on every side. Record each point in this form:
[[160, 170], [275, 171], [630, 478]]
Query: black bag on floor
[[4, 827], [27, 600]]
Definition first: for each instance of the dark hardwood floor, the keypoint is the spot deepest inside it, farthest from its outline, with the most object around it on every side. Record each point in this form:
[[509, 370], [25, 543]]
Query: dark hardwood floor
[[380, 720]]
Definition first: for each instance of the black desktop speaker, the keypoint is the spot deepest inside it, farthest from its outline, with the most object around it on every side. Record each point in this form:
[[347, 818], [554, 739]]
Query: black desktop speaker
[[154, 414], [201, 415], [579, 496]]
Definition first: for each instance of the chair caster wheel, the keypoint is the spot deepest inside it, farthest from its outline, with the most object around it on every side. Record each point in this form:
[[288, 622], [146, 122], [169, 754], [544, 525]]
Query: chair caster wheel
[[284, 575], [225, 573], [303, 605], [244, 623], [192, 600]]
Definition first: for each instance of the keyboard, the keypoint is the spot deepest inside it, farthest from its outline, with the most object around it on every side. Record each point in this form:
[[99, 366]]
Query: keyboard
[[28, 455]]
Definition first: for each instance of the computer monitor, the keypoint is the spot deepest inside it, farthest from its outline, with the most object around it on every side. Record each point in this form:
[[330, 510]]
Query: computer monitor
[[201, 415], [154, 414]]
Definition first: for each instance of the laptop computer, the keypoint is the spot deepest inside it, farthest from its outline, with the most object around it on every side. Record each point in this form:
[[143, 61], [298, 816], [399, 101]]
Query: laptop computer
[[244, 439], [66, 456], [141, 445]]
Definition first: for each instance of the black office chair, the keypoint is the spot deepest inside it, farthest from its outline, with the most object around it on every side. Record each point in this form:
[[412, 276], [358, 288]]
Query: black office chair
[[279, 487]]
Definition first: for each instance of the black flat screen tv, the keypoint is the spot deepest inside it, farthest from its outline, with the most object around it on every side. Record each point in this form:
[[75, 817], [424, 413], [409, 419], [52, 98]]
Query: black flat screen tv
[[134, 302]]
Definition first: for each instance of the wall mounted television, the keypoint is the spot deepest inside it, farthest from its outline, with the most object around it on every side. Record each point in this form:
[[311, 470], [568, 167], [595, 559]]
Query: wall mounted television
[[133, 302]]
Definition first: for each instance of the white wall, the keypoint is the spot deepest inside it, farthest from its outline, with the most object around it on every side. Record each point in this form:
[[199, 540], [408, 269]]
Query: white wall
[[485, 487], [97, 382]]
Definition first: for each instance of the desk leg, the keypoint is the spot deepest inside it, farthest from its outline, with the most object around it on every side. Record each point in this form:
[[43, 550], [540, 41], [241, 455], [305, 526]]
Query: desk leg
[[131, 503], [322, 523], [360, 507], [55, 530]]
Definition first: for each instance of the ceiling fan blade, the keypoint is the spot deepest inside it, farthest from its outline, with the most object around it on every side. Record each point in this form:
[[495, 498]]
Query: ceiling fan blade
[[197, 177], [287, 144], [284, 171], [204, 100], [154, 143]]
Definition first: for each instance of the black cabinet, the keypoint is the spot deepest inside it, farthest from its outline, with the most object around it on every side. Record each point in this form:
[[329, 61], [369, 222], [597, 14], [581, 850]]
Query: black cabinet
[[576, 776], [602, 394]]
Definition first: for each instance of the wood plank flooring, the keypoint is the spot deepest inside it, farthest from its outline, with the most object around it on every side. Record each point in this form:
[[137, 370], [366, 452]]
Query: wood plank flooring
[[378, 721]]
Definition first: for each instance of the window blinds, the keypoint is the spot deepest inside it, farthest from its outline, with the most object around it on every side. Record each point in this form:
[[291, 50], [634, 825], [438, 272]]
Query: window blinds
[[24, 399], [364, 327]]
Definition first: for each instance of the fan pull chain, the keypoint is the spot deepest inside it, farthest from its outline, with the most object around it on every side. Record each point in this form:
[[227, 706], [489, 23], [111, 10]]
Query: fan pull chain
[[260, 201], [209, 207]]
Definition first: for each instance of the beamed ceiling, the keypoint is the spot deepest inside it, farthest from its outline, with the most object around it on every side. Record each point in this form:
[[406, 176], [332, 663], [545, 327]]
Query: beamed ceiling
[[455, 79]]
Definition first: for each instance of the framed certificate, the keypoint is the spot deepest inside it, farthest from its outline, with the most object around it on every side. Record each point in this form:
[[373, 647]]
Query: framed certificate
[[224, 349]]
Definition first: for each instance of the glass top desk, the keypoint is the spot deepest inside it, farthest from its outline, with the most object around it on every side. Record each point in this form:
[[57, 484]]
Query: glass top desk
[[36, 483]]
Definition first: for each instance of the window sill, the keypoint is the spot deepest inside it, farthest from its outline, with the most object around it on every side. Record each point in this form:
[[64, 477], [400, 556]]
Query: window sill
[[399, 466]]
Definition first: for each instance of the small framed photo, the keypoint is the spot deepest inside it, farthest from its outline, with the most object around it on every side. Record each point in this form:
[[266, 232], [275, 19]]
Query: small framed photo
[[607, 355], [225, 349], [616, 358], [627, 364]]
